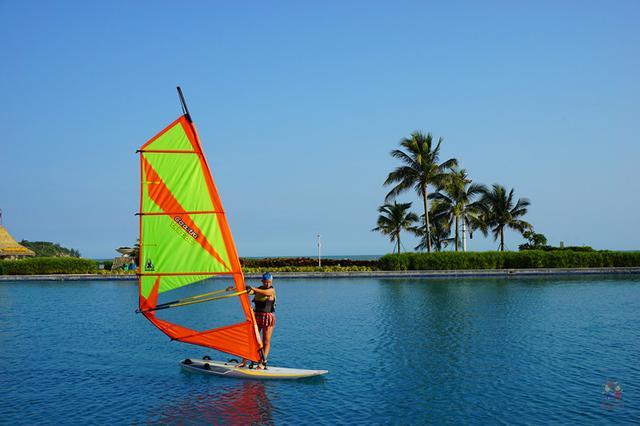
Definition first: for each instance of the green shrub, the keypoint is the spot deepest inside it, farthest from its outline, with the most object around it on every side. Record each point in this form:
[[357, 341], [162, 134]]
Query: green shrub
[[395, 262], [276, 269], [508, 260], [276, 262], [107, 264], [48, 265]]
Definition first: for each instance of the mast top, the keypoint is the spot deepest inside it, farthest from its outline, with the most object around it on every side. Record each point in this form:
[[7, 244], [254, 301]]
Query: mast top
[[183, 103]]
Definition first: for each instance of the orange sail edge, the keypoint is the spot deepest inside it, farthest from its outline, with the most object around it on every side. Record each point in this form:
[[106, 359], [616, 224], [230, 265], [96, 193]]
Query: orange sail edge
[[234, 339], [239, 339]]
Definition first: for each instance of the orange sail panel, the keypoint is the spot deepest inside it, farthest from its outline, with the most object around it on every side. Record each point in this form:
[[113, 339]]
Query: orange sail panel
[[185, 238]]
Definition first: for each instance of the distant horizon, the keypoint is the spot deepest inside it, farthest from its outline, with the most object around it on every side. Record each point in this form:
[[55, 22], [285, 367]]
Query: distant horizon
[[336, 257]]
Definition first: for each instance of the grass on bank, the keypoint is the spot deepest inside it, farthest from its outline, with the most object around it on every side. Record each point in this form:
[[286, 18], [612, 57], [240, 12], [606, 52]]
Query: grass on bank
[[272, 269]]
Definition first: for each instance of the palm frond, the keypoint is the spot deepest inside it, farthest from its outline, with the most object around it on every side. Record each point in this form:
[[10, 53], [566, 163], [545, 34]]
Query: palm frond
[[450, 163], [404, 157]]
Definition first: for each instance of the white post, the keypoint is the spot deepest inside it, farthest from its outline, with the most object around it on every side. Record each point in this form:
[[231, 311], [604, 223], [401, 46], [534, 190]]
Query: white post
[[319, 259], [464, 235]]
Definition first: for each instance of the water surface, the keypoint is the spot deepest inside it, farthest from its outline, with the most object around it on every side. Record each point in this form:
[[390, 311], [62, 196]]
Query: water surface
[[509, 350]]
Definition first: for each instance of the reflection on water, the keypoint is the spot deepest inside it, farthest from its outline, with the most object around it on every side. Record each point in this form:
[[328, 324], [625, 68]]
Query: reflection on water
[[244, 402], [465, 339]]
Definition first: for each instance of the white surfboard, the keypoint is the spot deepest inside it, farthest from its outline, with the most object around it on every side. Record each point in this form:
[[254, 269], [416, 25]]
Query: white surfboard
[[231, 369]]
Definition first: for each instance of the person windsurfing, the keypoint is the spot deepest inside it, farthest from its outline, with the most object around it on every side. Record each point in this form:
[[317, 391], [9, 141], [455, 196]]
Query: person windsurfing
[[264, 310]]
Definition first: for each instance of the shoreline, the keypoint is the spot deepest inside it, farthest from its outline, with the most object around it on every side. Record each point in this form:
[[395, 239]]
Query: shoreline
[[466, 273]]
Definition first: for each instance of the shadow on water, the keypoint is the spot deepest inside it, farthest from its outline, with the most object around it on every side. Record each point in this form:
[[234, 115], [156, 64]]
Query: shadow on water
[[244, 402]]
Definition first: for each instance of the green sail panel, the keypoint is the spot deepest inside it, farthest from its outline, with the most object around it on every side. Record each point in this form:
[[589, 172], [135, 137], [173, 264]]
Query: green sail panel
[[183, 231], [167, 283], [173, 246], [182, 175], [172, 139]]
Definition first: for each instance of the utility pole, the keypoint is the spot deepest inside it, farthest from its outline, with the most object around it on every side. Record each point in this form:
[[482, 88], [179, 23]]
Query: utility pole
[[319, 258], [464, 235]]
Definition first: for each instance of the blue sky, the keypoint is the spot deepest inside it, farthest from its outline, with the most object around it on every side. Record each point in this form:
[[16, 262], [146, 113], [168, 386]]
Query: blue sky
[[299, 103]]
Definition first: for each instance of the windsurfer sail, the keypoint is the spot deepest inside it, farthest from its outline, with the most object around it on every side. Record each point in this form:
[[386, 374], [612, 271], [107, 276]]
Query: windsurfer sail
[[185, 238]]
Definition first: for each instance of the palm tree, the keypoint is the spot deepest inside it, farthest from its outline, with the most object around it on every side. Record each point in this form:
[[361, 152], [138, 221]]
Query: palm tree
[[419, 170], [457, 193], [500, 211], [440, 228], [395, 218]]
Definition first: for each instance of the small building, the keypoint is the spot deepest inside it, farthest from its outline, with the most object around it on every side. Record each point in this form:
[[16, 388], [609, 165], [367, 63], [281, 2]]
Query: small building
[[10, 249], [126, 261]]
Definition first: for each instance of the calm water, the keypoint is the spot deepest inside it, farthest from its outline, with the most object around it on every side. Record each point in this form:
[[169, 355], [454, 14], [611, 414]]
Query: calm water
[[513, 351]]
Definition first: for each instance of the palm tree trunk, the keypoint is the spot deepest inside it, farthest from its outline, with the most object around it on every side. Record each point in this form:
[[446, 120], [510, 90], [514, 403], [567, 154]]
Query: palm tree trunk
[[457, 231], [398, 243], [501, 239], [425, 194]]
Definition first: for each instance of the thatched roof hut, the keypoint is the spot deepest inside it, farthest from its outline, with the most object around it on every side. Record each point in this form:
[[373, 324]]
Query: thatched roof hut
[[10, 249]]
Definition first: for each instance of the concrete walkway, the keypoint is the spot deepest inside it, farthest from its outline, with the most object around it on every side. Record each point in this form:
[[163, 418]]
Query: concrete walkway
[[367, 274]]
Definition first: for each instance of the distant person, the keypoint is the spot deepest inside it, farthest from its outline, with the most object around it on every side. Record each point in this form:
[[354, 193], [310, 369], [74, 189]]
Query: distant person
[[264, 310]]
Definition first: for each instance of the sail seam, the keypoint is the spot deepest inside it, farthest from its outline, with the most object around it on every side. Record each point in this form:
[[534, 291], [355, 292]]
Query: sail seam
[[170, 274], [183, 212], [167, 151], [202, 333]]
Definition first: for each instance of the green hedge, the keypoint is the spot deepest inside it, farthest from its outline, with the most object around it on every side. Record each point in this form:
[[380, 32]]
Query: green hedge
[[507, 260], [286, 262], [48, 265]]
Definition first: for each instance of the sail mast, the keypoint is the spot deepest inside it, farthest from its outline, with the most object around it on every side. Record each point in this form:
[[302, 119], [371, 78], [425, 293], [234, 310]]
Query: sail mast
[[183, 103]]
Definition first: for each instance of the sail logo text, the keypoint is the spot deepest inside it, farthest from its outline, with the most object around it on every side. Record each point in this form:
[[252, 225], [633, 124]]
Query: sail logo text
[[186, 227]]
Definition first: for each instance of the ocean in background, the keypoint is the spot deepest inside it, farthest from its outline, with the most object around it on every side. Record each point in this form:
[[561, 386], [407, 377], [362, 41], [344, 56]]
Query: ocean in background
[[399, 351]]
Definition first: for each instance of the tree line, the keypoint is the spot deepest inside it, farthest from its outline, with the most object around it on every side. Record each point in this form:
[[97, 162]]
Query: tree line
[[453, 205], [49, 249]]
